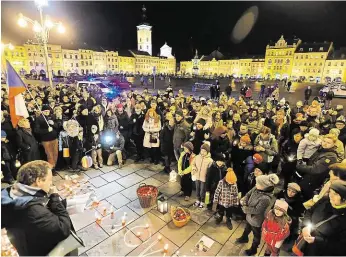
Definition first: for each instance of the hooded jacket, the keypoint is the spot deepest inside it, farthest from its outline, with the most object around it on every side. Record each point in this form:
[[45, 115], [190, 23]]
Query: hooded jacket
[[214, 175], [200, 166], [35, 222]]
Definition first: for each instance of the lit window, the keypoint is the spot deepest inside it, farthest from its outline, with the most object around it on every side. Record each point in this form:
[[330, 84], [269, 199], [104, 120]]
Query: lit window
[[301, 49], [321, 48], [310, 49], [342, 64]]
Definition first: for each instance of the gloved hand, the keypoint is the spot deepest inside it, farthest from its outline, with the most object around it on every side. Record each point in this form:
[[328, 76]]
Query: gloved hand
[[50, 122], [50, 129]]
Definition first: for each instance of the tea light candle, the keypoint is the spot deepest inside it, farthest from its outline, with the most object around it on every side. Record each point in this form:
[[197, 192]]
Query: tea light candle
[[147, 226], [165, 248], [125, 214], [98, 220], [123, 221], [159, 238], [104, 211], [138, 234]]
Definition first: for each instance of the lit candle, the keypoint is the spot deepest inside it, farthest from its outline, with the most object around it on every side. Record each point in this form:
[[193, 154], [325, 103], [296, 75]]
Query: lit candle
[[125, 214], [112, 212], [159, 238], [147, 226], [138, 234], [123, 221], [98, 220], [104, 211], [165, 248]]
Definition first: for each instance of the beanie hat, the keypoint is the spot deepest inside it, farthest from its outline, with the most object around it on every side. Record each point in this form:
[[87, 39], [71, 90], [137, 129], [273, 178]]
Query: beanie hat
[[119, 106], [246, 138], [189, 146], [266, 181], [281, 204], [3, 133], [179, 112], [314, 132], [341, 119], [340, 188], [230, 177], [219, 157], [335, 131], [201, 121], [257, 158], [206, 147], [45, 107], [294, 186]]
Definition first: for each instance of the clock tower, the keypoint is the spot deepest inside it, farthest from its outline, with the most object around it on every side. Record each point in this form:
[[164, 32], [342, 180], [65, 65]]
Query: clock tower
[[144, 34]]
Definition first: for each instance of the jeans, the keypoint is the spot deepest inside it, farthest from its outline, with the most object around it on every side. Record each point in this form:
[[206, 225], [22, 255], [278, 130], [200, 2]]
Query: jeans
[[256, 235], [52, 151], [200, 190]]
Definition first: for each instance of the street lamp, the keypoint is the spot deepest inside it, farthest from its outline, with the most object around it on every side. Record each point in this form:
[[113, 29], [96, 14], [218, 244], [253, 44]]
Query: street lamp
[[41, 29]]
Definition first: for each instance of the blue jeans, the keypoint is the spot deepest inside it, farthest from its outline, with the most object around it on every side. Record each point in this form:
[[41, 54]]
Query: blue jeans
[[200, 190]]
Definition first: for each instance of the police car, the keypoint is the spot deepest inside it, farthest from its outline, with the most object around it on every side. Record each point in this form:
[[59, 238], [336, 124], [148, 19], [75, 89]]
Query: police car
[[105, 89], [338, 89]]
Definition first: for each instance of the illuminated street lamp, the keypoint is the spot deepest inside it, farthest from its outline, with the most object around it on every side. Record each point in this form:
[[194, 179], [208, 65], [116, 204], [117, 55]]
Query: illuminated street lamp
[[41, 29], [9, 46]]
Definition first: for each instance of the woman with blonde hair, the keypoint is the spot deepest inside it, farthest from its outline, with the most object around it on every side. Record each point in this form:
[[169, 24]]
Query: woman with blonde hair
[[152, 127], [205, 113]]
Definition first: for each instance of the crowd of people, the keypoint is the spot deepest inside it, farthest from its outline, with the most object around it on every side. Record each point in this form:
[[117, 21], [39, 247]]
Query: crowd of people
[[278, 166]]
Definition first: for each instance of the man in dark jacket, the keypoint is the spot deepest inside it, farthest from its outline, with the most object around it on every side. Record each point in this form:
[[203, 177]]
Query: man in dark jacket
[[341, 125], [216, 172], [228, 90], [315, 171], [6, 159], [86, 120], [166, 141], [136, 122], [181, 133], [35, 220], [307, 95], [87, 101], [47, 128], [124, 123], [198, 135], [26, 142], [329, 98]]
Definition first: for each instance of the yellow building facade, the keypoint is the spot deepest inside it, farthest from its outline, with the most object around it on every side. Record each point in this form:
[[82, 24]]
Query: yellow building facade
[[71, 61], [335, 66], [18, 58]]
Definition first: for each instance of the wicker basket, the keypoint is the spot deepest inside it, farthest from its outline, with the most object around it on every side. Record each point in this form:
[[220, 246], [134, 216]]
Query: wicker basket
[[180, 223], [148, 199]]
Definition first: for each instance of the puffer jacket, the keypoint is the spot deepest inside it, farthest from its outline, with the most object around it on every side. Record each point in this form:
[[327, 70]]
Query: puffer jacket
[[272, 232], [256, 202], [200, 167], [226, 194], [307, 147]]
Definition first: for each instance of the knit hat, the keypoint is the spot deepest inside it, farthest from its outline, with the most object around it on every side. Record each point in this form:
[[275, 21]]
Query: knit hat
[[119, 106], [219, 157], [266, 181], [246, 138], [340, 188], [3, 133], [281, 204], [45, 107], [314, 132], [230, 177], [179, 112], [201, 121], [341, 119], [189, 146], [206, 147], [257, 158], [294, 186]]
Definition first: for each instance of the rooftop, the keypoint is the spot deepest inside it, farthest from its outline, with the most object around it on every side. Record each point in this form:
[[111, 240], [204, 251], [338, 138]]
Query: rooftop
[[339, 54], [314, 47]]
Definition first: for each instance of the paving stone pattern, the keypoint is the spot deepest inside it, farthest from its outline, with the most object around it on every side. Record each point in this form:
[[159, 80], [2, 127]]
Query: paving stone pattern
[[116, 189]]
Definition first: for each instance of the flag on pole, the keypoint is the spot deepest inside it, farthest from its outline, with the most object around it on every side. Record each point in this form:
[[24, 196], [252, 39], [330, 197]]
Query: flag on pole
[[16, 87]]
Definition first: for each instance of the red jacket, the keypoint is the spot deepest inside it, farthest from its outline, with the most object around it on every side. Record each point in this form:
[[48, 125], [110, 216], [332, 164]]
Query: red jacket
[[272, 232], [248, 93]]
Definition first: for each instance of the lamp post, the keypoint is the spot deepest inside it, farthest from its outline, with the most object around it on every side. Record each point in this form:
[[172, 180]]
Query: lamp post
[[41, 30]]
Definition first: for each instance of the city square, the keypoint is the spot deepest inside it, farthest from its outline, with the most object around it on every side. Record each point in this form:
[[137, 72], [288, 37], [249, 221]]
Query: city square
[[126, 132]]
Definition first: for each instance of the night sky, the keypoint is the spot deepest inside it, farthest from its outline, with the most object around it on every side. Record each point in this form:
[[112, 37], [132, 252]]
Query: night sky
[[184, 25]]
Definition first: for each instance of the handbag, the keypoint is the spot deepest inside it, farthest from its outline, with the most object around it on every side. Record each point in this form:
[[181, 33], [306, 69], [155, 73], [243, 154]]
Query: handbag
[[67, 245], [300, 244], [152, 139]]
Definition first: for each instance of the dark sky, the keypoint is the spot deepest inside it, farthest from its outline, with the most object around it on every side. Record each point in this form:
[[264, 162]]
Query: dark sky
[[184, 25]]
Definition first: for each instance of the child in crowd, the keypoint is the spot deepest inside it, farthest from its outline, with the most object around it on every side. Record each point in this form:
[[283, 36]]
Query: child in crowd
[[226, 196], [309, 145], [184, 170], [200, 166], [276, 228]]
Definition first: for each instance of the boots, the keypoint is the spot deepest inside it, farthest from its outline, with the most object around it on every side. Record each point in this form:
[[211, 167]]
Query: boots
[[229, 224], [242, 240], [250, 252], [218, 218]]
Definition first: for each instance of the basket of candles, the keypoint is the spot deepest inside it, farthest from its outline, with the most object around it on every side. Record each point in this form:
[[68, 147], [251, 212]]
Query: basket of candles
[[180, 216], [147, 195]]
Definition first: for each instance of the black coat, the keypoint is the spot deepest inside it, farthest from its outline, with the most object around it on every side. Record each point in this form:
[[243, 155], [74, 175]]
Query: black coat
[[86, 123], [28, 145], [124, 124], [220, 145], [214, 175], [35, 223], [330, 238], [41, 128], [89, 103], [198, 140], [166, 139], [136, 121]]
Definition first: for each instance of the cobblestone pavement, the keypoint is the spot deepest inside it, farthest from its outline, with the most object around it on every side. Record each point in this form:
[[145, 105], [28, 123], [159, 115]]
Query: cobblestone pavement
[[117, 188]]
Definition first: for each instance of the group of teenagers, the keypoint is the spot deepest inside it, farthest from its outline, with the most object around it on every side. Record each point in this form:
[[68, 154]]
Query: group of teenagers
[[279, 167]]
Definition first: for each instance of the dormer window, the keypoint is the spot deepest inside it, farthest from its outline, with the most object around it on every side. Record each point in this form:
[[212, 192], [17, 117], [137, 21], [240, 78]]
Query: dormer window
[[321, 48], [310, 49], [301, 49]]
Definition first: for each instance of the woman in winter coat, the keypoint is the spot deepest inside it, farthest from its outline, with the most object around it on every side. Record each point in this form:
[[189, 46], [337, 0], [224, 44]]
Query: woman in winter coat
[[216, 172], [200, 166], [111, 121], [152, 127], [27, 142], [315, 171], [166, 139], [184, 170], [226, 197], [276, 228], [254, 123], [309, 145], [329, 239], [199, 135], [292, 195], [254, 205], [136, 122], [266, 145], [96, 152]]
